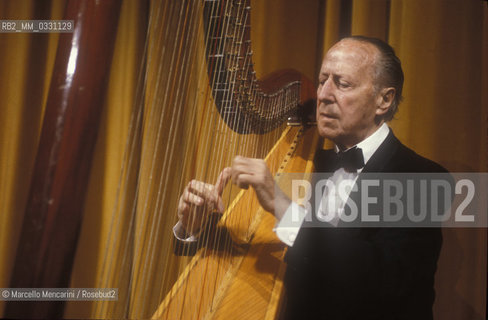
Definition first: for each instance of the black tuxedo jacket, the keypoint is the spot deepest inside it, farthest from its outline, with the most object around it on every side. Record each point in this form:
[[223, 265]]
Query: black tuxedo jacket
[[365, 273]]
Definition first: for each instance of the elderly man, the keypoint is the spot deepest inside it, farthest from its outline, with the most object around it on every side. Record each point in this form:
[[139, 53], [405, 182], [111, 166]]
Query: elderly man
[[343, 273]]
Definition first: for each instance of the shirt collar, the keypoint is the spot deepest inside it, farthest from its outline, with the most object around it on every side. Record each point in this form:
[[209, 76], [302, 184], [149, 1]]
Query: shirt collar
[[372, 143]]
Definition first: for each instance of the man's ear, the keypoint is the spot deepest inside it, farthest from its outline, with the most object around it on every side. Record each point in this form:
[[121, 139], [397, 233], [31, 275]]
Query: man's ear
[[385, 100]]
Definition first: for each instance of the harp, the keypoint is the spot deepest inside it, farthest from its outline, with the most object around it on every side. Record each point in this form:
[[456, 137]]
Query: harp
[[199, 104]]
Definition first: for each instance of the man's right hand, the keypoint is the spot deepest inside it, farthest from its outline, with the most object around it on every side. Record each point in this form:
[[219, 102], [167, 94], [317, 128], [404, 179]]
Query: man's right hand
[[198, 200]]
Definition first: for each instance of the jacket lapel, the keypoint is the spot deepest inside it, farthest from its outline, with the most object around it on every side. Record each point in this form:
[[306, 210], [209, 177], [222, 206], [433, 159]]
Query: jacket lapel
[[382, 156]]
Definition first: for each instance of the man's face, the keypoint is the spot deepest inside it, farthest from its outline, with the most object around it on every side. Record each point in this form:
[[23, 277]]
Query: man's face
[[347, 102]]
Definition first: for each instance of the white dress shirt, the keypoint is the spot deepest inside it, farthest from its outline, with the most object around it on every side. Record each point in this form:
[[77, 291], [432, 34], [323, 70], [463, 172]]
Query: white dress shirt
[[331, 205]]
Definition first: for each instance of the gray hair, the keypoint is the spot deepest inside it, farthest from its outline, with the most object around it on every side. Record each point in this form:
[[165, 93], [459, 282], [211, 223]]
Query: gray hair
[[389, 71]]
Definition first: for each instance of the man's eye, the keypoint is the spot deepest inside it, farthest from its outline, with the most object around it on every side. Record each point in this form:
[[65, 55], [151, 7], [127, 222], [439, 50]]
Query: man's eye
[[343, 84]]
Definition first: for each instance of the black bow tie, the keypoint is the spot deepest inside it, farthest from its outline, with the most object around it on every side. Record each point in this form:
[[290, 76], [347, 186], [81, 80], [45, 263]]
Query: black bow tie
[[351, 160], [329, 161]]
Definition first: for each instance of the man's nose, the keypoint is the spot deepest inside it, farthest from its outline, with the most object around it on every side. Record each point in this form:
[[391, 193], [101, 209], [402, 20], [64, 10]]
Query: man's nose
[[325, 92]]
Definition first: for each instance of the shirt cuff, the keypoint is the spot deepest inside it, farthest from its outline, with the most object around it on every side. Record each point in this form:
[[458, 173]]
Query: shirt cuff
[[181, 235], [289, 225]]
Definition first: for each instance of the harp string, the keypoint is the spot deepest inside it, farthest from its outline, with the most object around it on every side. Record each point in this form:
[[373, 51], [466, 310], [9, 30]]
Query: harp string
[[220, 141], [107, 278], [205, 173], [125, 249], [239, 77], [199, 307], [166, 274], [223, 263], [139, 211], [247, 137], [185, 52]]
